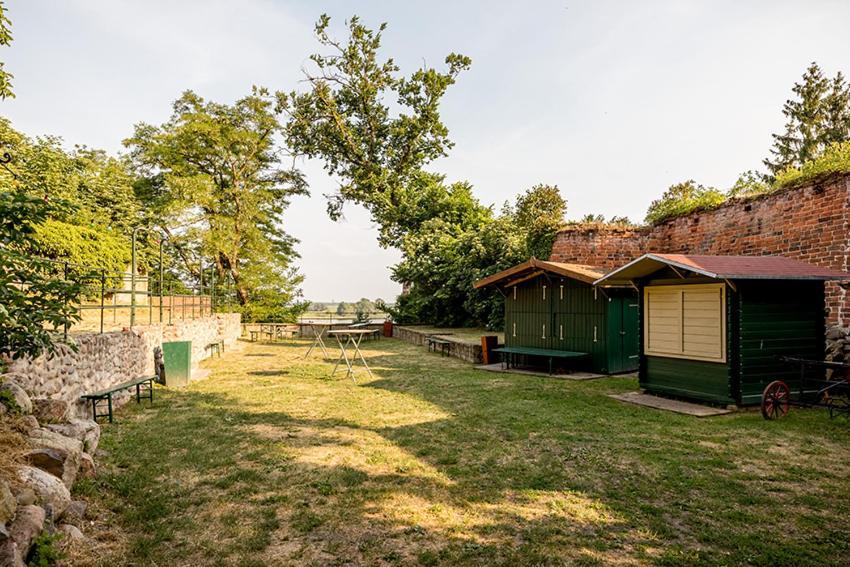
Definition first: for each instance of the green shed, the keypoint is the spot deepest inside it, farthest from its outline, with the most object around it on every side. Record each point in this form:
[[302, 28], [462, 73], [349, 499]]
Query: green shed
[[554, 306], [712, 327]]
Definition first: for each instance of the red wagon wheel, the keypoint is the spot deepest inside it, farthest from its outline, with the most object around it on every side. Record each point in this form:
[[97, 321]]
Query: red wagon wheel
[[775, 400]]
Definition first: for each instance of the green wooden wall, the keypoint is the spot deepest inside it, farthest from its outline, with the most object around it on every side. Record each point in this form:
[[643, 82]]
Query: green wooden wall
[[575, 318], [765, 319], [776, 318]]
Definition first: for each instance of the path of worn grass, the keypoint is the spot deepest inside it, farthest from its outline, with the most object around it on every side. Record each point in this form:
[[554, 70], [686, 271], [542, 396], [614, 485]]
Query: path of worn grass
[[271, 462]]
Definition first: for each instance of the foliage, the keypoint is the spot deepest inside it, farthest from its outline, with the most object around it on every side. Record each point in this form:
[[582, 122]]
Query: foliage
[[373, 129], [266, 307], [344, 308], [212, 174], [538, 214], [5, 40], [45, 550], [683, 198], [835, 159], [44, 301], [817, 117], [749, 184], [101, 208]]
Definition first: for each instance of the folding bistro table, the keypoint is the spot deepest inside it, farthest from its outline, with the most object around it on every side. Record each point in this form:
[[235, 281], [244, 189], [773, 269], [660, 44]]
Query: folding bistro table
[[319, 330], [352, 338]]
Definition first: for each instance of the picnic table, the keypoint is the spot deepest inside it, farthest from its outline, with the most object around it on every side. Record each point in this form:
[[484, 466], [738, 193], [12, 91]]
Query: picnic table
[[319, 330], [274, 331], [508, 353], [373, 333], [353, 337]]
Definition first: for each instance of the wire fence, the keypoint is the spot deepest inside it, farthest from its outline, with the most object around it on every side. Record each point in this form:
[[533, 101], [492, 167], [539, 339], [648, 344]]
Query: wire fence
[[110, 300]]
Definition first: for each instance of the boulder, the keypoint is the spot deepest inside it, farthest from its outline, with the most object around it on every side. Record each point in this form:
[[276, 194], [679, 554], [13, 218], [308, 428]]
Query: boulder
[[10, 556], [835, 333], [16, 396], [49, 490], [25, 496], [7, 503], [86, 431], [48, 410], [56, 454], [87, 467], [27, 424], [29, 521]]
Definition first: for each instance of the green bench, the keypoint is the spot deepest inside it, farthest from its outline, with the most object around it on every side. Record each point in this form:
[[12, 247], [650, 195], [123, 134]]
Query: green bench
[[142, 385], [507, 354]]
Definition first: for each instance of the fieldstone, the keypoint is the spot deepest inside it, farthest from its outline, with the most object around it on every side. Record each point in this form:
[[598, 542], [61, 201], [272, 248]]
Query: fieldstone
[[27, 424], [49, 489], [87, 467], [76, 513], [7, 503], [19, 397], [85, 430], [70, 534], [49, 410], [835, 333], [25, 496], [29, 521], [10, 556], [56, 454]]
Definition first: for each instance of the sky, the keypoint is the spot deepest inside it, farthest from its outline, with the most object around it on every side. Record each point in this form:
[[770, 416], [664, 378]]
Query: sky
[[613, 101]]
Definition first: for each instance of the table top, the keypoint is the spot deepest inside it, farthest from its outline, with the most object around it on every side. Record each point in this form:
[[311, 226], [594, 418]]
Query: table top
[[351, 331]]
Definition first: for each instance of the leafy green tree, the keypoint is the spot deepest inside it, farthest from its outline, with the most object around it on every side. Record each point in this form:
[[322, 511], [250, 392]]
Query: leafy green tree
[[342, 308], [373, 129], [214, 172], [681, 199], [5, 40], [35, 300], [817, 117], [539, 213], [835, 159]]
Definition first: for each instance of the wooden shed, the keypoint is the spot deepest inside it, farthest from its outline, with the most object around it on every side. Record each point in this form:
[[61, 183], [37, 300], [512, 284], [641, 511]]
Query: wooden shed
[[554, 306], [712, 327]]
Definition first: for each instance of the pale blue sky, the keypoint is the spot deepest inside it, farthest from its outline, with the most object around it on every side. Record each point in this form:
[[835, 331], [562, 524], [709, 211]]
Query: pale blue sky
[[611, 101]]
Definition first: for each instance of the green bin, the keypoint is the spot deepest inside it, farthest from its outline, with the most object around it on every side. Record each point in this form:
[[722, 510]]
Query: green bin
[[177, 356]]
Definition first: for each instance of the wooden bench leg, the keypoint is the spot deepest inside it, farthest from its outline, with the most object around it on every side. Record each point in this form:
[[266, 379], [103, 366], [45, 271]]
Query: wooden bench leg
[[138, 394]]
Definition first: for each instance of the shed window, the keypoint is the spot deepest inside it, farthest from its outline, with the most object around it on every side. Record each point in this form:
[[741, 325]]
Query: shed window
[[687, 321]]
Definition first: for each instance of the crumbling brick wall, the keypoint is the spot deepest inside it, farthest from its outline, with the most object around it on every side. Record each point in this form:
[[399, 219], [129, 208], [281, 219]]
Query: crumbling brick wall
[[808, 223]]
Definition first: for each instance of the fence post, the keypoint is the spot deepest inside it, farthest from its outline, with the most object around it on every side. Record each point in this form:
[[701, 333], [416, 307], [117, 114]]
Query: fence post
[[133, 279], [65, 325], [212, 291], [102, 294], [161, 272]]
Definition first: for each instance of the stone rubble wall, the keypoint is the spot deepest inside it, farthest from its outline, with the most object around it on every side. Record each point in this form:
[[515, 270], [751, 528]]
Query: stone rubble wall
[[103, 360], [470, 352]]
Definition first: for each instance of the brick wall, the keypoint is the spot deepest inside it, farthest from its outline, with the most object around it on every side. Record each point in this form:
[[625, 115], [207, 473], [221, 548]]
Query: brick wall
[[808, 223]]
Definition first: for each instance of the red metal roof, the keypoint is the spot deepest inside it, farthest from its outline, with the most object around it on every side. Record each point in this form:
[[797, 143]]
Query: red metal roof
[[725, 267]]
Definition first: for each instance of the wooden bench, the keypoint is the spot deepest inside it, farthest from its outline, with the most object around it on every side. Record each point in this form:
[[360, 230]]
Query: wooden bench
[[551, 354], [217, 346], [435, 342], [141, 384]]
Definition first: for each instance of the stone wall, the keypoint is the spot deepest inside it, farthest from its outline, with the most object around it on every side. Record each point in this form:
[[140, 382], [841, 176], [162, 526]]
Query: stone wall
[[470, 352], [809, 223], [103, 360]]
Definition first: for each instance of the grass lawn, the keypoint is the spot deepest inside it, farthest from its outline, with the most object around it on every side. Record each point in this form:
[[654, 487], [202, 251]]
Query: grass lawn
[[270, 461]]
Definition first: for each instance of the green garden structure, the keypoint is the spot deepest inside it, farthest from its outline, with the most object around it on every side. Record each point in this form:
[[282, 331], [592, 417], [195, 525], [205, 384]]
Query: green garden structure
[[554, 312], [713, 327]]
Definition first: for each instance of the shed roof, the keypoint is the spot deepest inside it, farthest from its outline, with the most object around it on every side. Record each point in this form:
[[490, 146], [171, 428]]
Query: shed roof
[[723, 267], [521, 272]]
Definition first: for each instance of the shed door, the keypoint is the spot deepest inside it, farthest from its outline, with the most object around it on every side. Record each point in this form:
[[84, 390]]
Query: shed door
[[623, 344]]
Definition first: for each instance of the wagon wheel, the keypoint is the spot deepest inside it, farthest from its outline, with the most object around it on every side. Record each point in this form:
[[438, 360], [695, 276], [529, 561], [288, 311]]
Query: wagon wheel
[[775, 400]]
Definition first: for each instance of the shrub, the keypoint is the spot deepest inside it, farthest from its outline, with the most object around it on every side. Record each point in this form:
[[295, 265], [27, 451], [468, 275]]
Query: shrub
[[835, 159], [681, 199]]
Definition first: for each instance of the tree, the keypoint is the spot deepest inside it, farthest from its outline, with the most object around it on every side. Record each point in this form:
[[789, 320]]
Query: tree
[[342, 308], [35, 300], [817, 117], [5, 40], [214, 172], [373, 129], [539, 213]]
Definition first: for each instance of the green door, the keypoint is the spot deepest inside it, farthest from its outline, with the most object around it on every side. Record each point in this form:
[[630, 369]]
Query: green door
[[623, 344], [177, 356]]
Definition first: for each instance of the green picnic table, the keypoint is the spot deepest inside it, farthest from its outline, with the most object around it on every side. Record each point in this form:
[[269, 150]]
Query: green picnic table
[[507, 354]]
